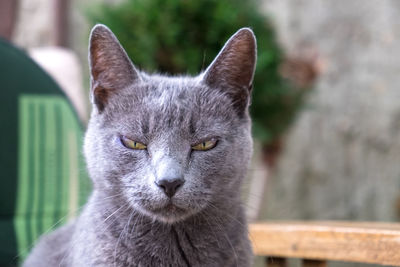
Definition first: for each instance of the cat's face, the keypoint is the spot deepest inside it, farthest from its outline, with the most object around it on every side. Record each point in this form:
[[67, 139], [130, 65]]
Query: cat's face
[[169, 147]]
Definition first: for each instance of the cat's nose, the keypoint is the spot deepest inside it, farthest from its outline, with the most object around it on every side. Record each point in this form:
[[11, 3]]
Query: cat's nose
[[170, 185]]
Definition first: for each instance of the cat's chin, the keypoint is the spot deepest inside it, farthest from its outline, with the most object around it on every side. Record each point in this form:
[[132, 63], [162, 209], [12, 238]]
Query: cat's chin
[[169, 213]]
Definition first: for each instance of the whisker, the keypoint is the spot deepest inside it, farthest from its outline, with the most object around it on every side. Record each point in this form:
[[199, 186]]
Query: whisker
[[115, 212], [225, 213], [57, 223]]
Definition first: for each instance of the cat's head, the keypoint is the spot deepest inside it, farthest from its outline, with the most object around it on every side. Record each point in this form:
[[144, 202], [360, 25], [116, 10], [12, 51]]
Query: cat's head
[[169, 147]]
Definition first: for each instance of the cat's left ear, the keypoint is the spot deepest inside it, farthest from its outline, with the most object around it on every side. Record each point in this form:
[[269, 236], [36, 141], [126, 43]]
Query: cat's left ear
[[110, 67], [233, 69]]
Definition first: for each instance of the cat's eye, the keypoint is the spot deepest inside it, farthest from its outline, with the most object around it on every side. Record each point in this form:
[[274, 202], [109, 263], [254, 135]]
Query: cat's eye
[[132, 144], [205, 145]]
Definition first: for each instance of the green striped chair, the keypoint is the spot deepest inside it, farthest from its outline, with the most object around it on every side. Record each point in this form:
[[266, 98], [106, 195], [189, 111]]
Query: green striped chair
[[43, 177]]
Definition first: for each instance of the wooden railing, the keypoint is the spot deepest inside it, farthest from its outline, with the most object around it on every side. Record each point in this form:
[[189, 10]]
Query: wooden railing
[[319, 242]]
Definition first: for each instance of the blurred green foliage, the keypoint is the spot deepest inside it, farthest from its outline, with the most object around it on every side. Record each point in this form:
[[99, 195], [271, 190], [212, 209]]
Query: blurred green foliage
[[177, 36]]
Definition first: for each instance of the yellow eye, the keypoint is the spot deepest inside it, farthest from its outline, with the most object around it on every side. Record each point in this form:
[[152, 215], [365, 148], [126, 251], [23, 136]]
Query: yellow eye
[[206, 145], [132, 144]]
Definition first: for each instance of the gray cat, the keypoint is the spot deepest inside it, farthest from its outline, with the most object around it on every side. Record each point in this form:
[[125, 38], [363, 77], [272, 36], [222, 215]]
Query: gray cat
[[167, 157]]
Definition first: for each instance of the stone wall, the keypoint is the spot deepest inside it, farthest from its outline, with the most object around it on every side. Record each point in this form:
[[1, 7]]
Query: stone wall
[[35, 23], [342, 157]]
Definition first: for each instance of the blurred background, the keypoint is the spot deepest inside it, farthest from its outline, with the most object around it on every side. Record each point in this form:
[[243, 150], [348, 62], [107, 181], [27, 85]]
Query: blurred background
[[326, 99]]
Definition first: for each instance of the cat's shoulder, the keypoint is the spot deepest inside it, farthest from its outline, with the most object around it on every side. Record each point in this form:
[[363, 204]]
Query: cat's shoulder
[[44, 254]]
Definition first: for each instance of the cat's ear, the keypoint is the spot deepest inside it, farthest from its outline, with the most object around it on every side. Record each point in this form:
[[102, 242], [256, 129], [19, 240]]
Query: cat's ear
[[110, 67], [233, 68]]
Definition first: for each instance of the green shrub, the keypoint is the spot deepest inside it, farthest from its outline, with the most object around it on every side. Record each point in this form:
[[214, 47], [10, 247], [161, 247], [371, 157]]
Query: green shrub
[[175, 36]]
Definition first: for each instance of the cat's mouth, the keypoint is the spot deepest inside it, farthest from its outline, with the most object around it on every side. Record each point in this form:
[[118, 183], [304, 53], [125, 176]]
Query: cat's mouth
[[169, 213], [169, 208]]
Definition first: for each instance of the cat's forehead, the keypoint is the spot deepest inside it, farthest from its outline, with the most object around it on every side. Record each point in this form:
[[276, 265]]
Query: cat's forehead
[[164, 91], [160, 103], [186, 94]]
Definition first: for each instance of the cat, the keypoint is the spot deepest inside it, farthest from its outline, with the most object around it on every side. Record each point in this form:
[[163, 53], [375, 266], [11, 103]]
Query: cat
[[167, 157]]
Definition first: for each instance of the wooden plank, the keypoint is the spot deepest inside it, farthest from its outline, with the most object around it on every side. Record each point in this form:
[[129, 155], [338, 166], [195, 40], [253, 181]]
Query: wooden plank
[[377, 243], [61, 11], [314, 263], [275, 262], [8, 15]]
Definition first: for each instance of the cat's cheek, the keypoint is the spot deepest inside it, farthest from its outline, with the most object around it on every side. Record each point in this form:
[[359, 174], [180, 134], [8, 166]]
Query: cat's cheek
[[142, 181], [195, 193], [149, 186], [209, 165]]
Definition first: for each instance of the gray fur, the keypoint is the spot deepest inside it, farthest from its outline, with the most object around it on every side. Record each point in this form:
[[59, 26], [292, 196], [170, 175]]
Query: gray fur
[[127, 220]]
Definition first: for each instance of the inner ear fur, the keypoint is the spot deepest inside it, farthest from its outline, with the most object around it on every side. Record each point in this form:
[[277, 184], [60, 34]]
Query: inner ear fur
[[110, 67], [233, 69]]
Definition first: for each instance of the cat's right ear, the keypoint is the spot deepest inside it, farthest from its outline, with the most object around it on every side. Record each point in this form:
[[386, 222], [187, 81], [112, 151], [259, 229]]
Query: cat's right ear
[[110, 67]]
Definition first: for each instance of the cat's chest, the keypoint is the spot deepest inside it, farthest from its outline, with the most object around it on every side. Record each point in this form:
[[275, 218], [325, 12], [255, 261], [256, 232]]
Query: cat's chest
[[145, 243], [172, 247]]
